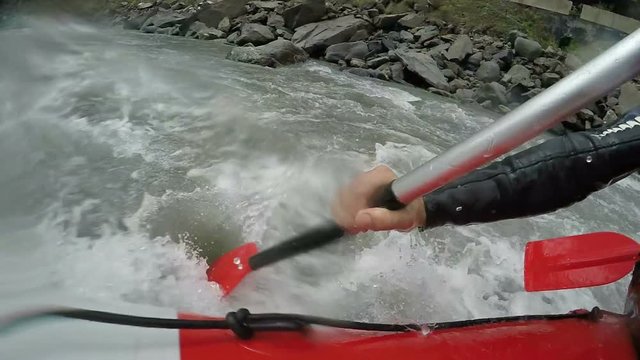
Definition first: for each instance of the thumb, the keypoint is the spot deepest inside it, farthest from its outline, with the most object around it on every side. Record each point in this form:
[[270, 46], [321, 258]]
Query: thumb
[[378, 219]]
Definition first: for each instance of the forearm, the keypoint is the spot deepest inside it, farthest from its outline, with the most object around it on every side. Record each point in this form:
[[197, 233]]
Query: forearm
[[541, 179]]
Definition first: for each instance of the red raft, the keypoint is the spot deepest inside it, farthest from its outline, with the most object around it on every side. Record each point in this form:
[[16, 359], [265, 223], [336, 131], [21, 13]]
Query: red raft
[[588, 335]]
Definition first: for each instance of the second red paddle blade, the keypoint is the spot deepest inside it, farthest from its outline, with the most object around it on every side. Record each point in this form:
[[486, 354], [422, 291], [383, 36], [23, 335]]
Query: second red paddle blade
[[229, 269], [578, 261]]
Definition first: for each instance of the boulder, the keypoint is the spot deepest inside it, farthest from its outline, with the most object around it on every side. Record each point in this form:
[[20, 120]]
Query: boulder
[[549, 79], [629, 98], [360, 35], [358, 63], [275, 20], [425, 67], [449, 74], [412, 20], [461, 48], [406, 36], [427, 33], [276, 53], [610, 117], [255, 34], [489, 71], [377, 62], [494, 92], [397, 72], [224, 25], [457, 84], [199, 30], [284, 33], [513, 35], [475, 59], [504, 59], [518, 74], [346, 51], [314, 38], [212, 14], [165, 19], [388, 22], [526, 48], [259, 17], [465, 94], [305, 12]]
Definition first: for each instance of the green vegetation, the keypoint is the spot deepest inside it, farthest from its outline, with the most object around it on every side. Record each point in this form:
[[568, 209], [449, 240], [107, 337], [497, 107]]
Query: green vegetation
[[496, 17]]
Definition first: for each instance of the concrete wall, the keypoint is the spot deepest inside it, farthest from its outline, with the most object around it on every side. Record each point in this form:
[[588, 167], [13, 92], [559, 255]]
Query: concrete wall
[[557, 6], [609, 19]]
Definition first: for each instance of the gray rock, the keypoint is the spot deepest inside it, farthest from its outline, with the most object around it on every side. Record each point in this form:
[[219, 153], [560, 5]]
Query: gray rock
[[460, 49], [549, 79], [572, 62], [449, 74], [489, 51], [388, 22], [518, 74], [439, 92], [306, 12], [629, 98], [438, 50], [255, 34], [314, 38], [346, 51], [233, 37], [513, 35], [135, 20], [284, 33], [612, 101], [426, 34], [425, 67], [494, 92], [360, 35], [412, 20], [610, 117], [377, 62], [267, 5], [375, 47], [504, 109], [165, 19], [201, 31], [276, 53], [406, 36], [585, 115], [149, 29], [275, 20], [359, 63], [224, 24], [465, 94], [368, 73], [260, 17], [526, 48], [397, 72], [488, 71], [372, 13], [212, 14], [488, 104], [145, 5], [532, 93], [475, 59], [453, 67], [504, 59], [457, 84]]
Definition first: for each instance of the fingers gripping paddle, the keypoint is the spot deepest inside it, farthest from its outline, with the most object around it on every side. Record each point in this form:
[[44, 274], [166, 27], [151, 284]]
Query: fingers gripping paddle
[[578, 261], [592, 81]]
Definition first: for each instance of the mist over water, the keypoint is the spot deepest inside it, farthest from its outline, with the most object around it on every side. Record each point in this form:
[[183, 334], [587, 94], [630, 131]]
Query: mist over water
[[128, 161]]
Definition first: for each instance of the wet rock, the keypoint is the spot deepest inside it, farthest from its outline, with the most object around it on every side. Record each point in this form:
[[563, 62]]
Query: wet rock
[[360, 35], [526, 48], [224, 24], [549, 79], [212, 14], [425, 67], [629, 98], [359, 63], [199, 30], [494, 92], [306, 12], [165, 19], [610, 117], [368, 73], [440, 92], [457, 84], [488, 71], [346, 51], [411, 20], [233, 37], [276, 53], [316, 37], [475, 59], [377, 62], [518, 74], [465, 94], [388, 22], [255, 34], [504, 109], [275, 20], [406, 36], [461, 48]]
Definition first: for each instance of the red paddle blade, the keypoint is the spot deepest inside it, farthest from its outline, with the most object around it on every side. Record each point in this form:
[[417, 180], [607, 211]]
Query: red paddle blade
[[578, 261], [229, 270]]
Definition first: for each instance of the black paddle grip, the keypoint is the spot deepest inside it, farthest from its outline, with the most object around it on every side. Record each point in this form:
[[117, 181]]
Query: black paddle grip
[[318, 236]]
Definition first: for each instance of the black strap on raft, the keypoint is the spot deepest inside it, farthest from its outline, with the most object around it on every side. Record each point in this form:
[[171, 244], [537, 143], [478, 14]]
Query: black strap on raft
[[244, 324]]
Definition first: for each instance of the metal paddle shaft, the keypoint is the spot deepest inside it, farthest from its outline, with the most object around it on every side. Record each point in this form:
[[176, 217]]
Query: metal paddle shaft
[[593, 80]]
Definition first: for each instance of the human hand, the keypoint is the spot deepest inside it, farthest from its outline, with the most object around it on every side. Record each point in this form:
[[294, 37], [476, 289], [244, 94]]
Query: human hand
[[353, 207]]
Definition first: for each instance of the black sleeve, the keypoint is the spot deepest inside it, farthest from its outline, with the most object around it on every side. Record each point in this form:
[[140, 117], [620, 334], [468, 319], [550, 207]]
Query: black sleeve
[[541, 179]]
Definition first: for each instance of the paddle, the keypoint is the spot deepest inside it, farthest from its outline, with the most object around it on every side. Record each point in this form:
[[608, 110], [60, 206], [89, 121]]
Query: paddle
[[578, 261], [592, 81]]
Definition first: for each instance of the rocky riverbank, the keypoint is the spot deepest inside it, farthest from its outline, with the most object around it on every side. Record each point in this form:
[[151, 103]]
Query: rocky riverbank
[[410, 47]]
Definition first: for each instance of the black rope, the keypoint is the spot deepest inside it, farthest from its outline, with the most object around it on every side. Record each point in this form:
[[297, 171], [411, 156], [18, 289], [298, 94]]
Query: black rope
[[244, 324]]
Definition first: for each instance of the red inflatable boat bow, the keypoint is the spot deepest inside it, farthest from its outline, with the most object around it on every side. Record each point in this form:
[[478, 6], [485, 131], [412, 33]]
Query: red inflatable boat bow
[[579, 261]]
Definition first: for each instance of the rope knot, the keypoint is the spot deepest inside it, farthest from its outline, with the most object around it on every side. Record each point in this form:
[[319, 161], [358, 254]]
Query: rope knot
[[237, 321]]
